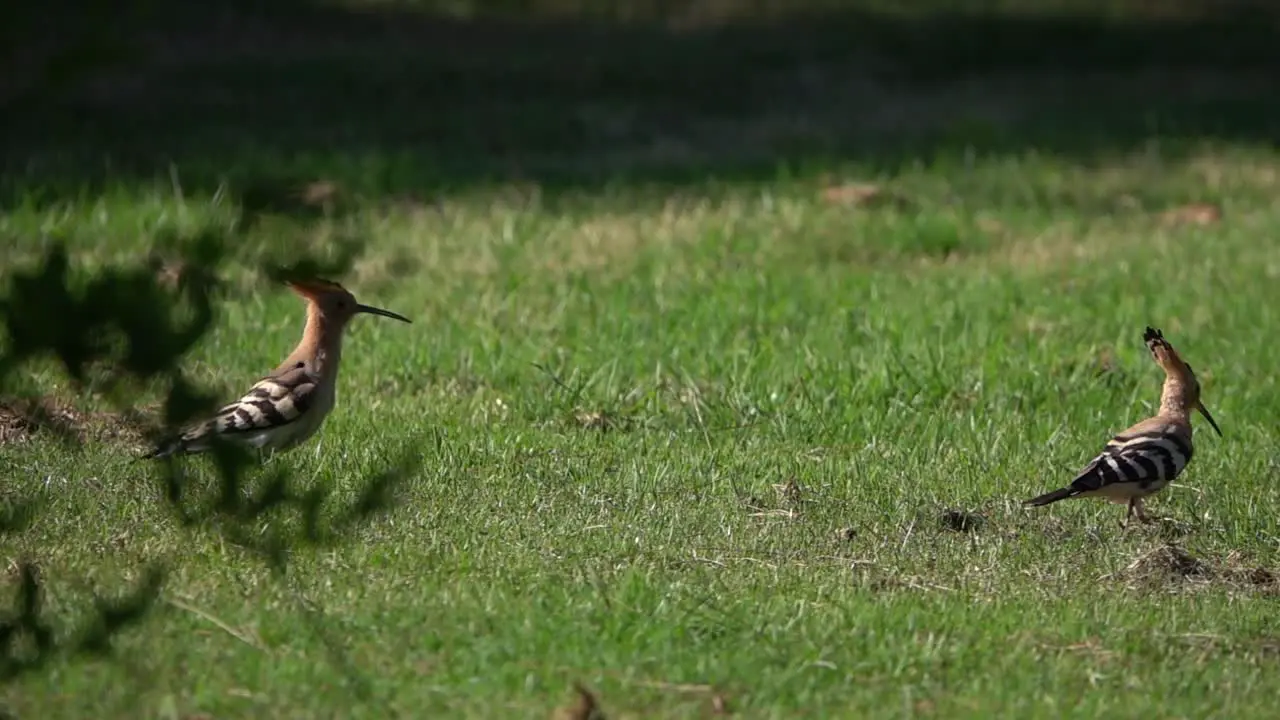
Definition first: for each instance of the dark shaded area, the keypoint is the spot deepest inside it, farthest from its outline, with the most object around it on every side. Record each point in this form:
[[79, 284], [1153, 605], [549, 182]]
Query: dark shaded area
[[398, 99], [961, 521], [28, 641]]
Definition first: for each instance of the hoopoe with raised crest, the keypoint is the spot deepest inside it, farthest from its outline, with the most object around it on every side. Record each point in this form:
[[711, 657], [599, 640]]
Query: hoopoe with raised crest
[[1143, 459], [288, 406]]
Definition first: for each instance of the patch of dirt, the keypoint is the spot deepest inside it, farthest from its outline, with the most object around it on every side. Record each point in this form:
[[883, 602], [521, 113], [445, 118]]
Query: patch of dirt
[[14, 427], [787, 503], [961, 521], [790, 494], [1239, 569], [1169, 561], [584, 706], [20, 419], [1169, 564], [864, 195], [1201, 214], [1269, 647]]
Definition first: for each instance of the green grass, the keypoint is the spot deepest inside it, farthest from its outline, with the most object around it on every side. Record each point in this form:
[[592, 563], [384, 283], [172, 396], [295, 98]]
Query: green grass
[[747, 341], [899, 364]]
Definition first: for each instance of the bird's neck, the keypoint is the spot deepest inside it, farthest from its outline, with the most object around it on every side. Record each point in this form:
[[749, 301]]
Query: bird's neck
[[320, 347], [1173, 401]]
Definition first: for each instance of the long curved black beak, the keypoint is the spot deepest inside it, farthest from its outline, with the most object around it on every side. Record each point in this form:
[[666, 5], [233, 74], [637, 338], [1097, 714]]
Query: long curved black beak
[[394, 316], [1208, 417]]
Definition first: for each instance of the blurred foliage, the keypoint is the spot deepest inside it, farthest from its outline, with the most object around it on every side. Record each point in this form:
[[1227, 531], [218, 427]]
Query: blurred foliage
[[118, 331]]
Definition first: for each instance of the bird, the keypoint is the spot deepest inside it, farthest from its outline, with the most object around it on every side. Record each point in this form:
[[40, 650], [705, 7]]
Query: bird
[[285, 408], [1146, 457]]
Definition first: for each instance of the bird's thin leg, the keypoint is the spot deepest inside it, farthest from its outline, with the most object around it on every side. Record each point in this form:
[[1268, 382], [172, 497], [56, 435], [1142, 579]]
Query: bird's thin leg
[[1142, 516], [1128, 514]]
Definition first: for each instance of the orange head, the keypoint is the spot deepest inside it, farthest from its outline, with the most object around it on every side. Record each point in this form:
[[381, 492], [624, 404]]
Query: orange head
[[335, 303], [1177, 372]]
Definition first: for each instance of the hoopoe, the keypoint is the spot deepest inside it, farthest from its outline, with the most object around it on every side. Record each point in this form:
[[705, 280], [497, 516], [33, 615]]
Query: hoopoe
[[288, 406], [1143, 459]]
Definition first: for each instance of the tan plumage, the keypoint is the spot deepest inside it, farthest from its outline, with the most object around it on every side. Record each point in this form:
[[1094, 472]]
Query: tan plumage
[[285, 408], [1146, 457]]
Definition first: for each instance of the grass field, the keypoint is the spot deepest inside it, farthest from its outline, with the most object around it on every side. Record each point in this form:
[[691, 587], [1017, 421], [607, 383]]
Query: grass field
[[745, 443]]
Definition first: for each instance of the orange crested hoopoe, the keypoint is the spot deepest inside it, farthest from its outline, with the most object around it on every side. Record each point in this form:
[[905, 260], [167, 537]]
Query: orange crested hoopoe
[[286, 407], [1143, 459]]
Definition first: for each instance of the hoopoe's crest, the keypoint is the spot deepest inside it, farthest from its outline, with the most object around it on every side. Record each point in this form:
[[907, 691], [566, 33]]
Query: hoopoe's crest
[[289, 405], [334, 303], [1181, 386], [1146, 457]]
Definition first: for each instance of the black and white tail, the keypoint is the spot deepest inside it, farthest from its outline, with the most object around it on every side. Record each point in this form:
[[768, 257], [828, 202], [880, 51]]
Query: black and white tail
[[1136, 463]]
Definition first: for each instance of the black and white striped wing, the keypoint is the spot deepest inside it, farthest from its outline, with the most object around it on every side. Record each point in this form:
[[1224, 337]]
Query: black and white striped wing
[[1140, 462], [271, 403]]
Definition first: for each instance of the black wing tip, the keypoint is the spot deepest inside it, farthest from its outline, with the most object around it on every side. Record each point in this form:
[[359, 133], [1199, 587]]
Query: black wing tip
[[1152, 334], [1052, 496]]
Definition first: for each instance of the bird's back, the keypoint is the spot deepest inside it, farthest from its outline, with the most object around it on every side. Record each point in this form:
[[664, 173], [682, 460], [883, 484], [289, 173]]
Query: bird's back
[[273, 413], [1138, 461]]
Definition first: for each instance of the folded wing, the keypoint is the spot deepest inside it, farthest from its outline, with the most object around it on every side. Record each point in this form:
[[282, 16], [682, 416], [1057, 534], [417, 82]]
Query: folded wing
[[271, 405], [1136, 462]]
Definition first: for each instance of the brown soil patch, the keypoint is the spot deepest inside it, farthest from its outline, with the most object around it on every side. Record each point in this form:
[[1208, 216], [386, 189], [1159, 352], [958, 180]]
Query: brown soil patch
[[961, 521], [584, 706], [1194, 214], [14, 427], [1168, 561], [863, 195], [1169, 564], [22, 418]]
